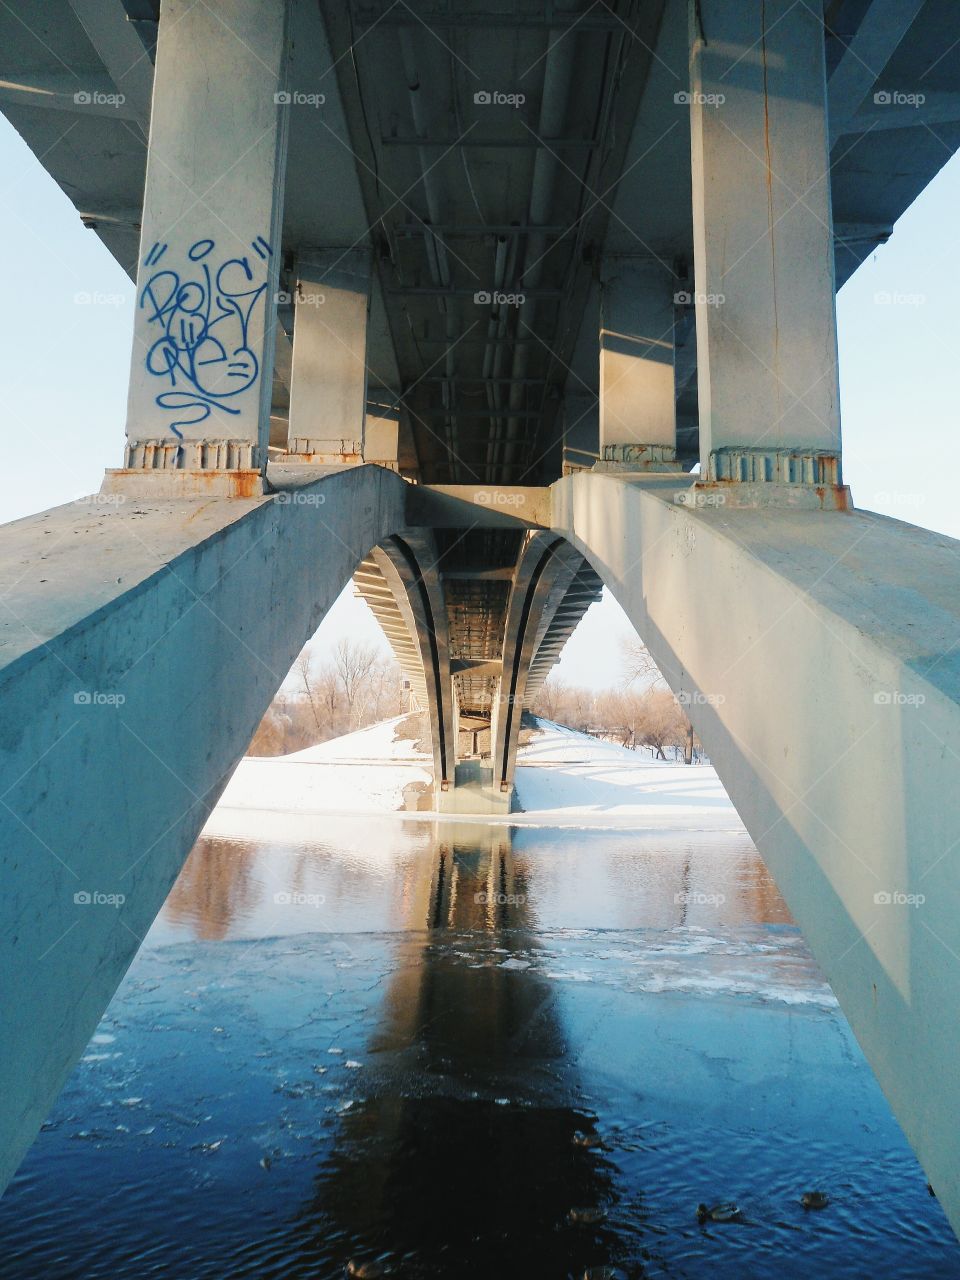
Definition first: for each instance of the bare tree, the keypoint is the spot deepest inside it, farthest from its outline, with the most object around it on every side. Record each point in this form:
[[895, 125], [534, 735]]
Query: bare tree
[[661, 722], [550, 698], [270, 737], [380, 683], [353, 663], [638, 664], [302, 666]]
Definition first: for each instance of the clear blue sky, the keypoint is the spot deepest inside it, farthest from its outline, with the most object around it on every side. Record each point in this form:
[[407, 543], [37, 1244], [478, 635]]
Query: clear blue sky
[[67, 320]]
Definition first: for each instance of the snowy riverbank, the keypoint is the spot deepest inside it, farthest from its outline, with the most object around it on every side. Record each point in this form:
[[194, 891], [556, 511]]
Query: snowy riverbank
[[564, 779]]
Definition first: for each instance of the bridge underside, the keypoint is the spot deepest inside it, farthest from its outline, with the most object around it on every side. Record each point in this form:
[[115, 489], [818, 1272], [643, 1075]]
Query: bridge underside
[[476, 616], [581, 313]]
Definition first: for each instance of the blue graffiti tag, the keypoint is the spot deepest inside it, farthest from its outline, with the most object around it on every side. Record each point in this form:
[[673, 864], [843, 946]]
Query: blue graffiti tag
[[203, 353]]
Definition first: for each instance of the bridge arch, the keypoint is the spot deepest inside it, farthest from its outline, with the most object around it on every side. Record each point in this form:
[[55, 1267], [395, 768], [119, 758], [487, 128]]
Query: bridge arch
[[816, 652], [128, 704]]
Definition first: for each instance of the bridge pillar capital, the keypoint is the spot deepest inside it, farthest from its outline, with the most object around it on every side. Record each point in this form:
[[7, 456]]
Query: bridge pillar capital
[[328, 377], [763, 243], [638, 422]]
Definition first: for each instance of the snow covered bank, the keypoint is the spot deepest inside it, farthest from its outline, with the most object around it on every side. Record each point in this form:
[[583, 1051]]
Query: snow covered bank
[[564, 779], [363, 772]]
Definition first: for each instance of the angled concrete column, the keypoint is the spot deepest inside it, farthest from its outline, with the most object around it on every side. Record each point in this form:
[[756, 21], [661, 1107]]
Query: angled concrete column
[[545, 570], [328, 386], [200, 382], [766, 324], [817, 655], [638, 423], [153, 654], [401, 584]]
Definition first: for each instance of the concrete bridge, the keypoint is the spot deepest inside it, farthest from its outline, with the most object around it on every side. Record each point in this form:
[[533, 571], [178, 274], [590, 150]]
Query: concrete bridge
[[485, 307]]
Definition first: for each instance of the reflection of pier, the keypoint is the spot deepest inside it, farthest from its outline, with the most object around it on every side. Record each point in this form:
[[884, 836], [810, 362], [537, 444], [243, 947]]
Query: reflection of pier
[[476, 884], [213, 889], [468, 1138], [473, 877]]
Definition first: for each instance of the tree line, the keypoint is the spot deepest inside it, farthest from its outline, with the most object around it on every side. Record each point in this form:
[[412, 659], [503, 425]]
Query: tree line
[[648, 718], [355, 687]]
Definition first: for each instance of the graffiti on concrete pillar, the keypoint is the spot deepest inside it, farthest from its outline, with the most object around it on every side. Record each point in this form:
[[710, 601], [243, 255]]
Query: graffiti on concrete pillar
[[203, 319]]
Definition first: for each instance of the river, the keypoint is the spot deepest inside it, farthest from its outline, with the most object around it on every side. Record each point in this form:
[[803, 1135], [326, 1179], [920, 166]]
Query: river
[[472, 1051]]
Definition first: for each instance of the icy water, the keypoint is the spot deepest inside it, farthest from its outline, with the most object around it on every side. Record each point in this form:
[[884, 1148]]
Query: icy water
[[472, 1056]]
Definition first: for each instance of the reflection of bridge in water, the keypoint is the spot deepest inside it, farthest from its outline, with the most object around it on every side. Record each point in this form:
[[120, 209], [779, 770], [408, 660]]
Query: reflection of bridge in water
[[531, 320], [482, 1029], [469, 1142]]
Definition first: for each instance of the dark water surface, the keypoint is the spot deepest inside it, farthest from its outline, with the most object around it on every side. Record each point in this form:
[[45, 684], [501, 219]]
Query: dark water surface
[[386, 1043]]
